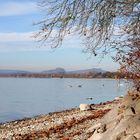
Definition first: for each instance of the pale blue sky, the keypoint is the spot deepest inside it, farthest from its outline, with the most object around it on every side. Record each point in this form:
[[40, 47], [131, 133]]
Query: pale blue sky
[[19, 50]]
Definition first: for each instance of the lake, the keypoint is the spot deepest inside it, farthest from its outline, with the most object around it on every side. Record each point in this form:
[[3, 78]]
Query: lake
[[27, 97]]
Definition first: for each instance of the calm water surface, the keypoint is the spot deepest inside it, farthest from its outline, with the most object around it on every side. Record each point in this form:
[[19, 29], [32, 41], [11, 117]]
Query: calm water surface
[[23, 97]]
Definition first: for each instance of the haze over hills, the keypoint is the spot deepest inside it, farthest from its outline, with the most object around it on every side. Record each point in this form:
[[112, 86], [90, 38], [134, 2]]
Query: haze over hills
[[57, 70], [61, 73], [61, 70], [53, 71], [95, 70], [14, 72]]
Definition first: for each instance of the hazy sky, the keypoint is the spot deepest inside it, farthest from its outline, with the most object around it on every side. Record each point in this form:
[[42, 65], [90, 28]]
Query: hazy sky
[[19, 50]]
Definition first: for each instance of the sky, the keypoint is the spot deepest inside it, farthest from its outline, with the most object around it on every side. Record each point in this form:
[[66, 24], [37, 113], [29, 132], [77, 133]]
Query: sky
[[19, 50]]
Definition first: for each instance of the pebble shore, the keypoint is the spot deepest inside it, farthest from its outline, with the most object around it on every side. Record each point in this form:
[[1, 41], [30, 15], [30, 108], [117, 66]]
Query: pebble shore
[[70, 124]]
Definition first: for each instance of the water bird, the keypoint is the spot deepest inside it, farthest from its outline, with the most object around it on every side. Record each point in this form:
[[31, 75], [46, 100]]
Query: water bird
[[120, 85], [79, 85], [89, 98]]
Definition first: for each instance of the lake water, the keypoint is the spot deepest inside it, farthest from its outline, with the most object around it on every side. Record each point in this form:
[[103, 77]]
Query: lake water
[[24, 97]]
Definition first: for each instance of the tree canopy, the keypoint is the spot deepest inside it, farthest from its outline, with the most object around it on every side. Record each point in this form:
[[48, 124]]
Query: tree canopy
[[105, 25]]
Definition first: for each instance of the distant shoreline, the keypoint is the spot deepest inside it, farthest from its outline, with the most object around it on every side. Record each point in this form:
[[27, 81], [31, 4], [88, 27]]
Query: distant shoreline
[[56, 77], [112, 75]]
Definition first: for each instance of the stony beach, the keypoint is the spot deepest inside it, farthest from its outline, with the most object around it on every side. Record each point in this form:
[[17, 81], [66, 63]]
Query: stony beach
[[113, 120], [70, 124]]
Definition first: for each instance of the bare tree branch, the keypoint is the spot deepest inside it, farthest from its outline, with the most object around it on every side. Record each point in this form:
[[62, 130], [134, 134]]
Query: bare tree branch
[[104, 24]]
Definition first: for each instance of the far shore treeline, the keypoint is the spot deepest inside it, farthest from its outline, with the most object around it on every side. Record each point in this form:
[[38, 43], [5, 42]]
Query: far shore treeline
[[89, 75]]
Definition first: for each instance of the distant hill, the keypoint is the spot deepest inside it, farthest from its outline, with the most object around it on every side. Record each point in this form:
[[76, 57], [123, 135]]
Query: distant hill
[[63, 71], [95, 70], [55, 71], [14, 72]]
